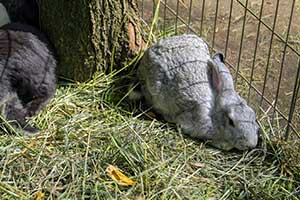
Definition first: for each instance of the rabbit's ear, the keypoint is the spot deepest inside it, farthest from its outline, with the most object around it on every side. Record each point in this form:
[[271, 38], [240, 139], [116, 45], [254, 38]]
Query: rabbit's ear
[[215, 76], [219, 57], [222, 72]]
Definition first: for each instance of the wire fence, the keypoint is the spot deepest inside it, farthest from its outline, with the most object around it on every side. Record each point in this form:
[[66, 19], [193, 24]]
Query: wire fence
[[261, 42]]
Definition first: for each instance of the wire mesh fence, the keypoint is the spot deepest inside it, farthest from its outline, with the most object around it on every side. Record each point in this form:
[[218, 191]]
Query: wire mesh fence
[[261, 42]]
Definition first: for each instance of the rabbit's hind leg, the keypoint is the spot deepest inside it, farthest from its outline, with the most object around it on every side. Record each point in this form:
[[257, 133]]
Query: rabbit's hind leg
[[34, 97], [16, 114], [34, 106]]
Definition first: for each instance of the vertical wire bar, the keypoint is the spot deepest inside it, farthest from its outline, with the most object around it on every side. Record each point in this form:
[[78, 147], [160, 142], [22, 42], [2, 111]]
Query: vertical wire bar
[[176, 19], [153, 8], [293, 102], [190, 16], [269, 53], [202, 17], [215, 24], [283, 58], [241, 43], [142, 11], [228, 28], [165, 15], [255, 49]]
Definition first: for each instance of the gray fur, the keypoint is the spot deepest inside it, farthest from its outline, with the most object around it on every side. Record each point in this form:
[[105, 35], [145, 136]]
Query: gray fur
[[4, 18], [188, 87], [27, 76]]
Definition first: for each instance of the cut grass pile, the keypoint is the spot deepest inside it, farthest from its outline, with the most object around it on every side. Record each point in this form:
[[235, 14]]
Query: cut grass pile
[[85, 128]]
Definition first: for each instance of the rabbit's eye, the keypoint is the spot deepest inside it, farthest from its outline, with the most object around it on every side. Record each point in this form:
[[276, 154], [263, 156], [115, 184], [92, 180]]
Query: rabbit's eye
[[231, 122]]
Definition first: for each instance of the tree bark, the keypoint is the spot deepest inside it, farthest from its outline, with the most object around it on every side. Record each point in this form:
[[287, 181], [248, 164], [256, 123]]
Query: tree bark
[[91, 35]]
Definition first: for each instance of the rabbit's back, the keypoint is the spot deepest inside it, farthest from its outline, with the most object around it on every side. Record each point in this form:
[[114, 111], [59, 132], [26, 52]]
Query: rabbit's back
[[175, 75], [26, 62], [24, 52]]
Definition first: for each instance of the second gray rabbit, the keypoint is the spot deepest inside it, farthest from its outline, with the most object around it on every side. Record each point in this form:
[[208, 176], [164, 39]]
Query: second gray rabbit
[[27, 73], [188, 87]]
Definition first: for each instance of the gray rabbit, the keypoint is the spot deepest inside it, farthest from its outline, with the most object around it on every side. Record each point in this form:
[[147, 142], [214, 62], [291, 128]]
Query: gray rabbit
[[188, 87], [27, 73]]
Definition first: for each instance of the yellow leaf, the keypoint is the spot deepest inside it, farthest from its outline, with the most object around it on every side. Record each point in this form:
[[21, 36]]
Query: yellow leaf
[[39, 195], [118, 176]]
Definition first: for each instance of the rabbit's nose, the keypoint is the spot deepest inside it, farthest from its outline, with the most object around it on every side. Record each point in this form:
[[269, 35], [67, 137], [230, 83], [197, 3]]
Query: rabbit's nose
[[248, 142]]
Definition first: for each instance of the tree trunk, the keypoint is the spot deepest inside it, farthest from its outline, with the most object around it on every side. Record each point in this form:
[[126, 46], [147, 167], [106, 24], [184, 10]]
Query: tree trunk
[[91, 35]]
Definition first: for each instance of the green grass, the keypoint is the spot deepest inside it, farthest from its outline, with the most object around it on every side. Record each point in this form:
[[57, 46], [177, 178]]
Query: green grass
[[83, 131]]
